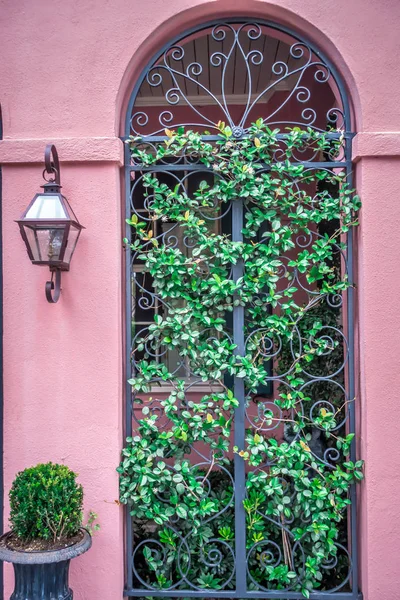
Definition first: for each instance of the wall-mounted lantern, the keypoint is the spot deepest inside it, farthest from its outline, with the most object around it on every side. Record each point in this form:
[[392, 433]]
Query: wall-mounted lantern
[[49, 226]]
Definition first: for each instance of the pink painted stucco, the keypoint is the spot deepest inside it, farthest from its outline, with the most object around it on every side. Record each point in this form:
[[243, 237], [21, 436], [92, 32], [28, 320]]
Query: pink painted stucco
[[66, 71]]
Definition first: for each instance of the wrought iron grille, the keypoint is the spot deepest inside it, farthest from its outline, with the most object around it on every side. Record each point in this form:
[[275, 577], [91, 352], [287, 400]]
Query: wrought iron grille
[[237, 71]]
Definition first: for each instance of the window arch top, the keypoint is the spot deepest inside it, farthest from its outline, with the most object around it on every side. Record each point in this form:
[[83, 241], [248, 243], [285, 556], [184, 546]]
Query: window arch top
[[236, 71]]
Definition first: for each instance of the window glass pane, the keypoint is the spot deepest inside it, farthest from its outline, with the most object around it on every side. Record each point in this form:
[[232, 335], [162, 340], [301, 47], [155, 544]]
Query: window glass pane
[[144, 305]]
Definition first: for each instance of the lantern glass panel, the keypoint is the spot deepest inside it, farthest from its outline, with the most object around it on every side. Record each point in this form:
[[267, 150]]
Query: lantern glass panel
[[71, 243], [71, 214], [32, 241], [47, 206], [45, 242]]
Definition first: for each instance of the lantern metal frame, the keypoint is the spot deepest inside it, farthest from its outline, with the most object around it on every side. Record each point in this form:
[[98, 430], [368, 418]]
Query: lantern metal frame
[[52, 187]]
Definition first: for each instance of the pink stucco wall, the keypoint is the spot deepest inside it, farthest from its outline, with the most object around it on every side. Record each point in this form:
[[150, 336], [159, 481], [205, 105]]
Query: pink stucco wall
[[66, 69]]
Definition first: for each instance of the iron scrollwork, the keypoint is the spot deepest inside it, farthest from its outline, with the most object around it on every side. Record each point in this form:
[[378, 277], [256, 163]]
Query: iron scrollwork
[[179, 82], [185, 88]]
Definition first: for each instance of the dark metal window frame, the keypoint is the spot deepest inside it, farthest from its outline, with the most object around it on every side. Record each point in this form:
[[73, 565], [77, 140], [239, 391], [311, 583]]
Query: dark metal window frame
[[346, 163]]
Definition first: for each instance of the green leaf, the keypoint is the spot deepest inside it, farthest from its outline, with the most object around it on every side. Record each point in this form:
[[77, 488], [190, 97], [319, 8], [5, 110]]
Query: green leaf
[[180, 488], [181, 511]]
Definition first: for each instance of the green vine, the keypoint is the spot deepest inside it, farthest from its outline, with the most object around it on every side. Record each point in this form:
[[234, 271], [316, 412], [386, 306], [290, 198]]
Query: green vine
[[297, 493]]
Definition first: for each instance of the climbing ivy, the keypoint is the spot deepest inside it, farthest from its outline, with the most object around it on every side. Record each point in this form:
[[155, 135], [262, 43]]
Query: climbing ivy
[[297, 496]]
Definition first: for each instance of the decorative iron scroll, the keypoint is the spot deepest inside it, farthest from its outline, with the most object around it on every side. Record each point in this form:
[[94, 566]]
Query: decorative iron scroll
[[297, 88], [246, 70]]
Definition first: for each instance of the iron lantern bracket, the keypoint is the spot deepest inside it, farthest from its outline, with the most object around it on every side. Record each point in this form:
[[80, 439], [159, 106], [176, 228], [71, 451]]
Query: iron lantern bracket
[[52, 168], [53, 287]]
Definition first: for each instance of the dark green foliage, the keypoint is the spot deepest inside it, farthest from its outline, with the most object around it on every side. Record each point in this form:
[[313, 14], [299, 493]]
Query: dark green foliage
[[297, 486], [46, 503]]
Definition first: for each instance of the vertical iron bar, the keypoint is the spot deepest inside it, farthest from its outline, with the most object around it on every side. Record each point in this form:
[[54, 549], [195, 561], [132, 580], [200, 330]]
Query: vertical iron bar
[[351, 377], [239, 422], [128, 341]]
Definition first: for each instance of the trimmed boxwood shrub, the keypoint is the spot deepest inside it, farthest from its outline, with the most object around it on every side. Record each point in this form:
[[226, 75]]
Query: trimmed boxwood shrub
[[46, 503]]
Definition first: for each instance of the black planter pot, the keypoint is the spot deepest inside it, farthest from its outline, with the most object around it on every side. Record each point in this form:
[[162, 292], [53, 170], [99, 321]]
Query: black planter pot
[[43, 575]]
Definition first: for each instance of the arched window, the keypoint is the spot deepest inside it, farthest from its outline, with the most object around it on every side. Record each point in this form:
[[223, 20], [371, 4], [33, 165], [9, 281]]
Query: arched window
[[227, 75]]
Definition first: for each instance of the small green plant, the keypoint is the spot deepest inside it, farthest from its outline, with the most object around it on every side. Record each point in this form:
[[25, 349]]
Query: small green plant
[[91, 524], [46, 503]]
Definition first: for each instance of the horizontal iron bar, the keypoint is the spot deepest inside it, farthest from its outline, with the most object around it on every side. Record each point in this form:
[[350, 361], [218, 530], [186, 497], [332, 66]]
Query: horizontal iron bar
[[213, 138], [275, 594], [199, 167]]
